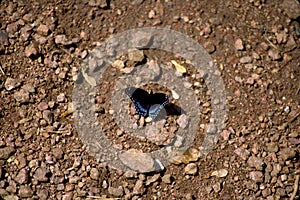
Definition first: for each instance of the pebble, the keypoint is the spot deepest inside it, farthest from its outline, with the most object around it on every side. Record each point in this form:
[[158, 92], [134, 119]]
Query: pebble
[[152, 179], [74, 179], [28, 17], [239, 44], [189, 196], [12, 28], [136, 55], [182, 121], [291, 42], [26, 32], [40, 174], [251, 185], [119, 64], [77, 162], [61, 98], [12, 187], [33, 163], [167, 178], [274, 54], [220, 173], [4, 38], [225, 134], [42, 194], [255, 162], [11, 8], [58, 153], [147, 120], [281, 37], [104, 184], [138, 161], [217, 187], [11, 197], [191, 169], [250, 81], [22, 176], [69, 187], [25, 191], [61, 187], [294, 141], [11, 84], [246, 59], [154, 68], [68, 196], [209, 47], [255, 56], [116, 192], [287, 153], [43, 106], [99, 3], [48, 116], [155, 135], [243, 153], [6, 152], [29, 88], [175, 95], [256, 176], [207, 30], [130, 174], [94, 173], [208, 189], [31, 51], [43, 30], [151, 14], [62, 39], [272, 147], [266, 192], [280, 192], [139, 187], [22, 96]]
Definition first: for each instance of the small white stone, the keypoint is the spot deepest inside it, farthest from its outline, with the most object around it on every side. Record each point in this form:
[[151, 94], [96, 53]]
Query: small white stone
[[148, 119], [239, 44], [175, 95]]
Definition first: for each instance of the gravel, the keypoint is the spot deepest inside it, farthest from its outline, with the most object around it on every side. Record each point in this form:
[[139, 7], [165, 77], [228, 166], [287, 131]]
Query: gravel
[[42, 47]]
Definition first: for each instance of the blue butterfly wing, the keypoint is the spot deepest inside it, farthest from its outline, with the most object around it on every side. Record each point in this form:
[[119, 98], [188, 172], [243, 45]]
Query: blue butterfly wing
[[147, 104], [140, 109], [140, 99], [155, 109]]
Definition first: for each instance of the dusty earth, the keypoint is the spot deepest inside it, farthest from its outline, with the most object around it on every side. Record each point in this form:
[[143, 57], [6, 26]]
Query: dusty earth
[[255, 45]]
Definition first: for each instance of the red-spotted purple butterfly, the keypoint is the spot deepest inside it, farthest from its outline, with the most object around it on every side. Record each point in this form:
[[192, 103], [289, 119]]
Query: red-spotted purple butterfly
[[147, 104]]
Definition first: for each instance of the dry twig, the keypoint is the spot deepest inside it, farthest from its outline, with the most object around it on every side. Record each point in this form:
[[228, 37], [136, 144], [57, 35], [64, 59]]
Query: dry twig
[[50, 131], [96, 197], [2, 70], [296, 187], [272, 45], [295, 117]]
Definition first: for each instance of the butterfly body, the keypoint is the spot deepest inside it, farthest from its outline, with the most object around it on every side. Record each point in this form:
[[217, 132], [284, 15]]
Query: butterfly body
[[147, 104]]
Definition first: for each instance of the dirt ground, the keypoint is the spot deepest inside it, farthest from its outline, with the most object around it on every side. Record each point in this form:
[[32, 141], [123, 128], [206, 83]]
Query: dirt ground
[[255, 45]]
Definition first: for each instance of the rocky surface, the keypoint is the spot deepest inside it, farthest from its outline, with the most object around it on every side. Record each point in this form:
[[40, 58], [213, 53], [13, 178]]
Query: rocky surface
[[255, 45]]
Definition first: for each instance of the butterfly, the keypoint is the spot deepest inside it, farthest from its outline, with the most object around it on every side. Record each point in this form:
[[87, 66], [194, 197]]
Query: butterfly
[[147, 104]]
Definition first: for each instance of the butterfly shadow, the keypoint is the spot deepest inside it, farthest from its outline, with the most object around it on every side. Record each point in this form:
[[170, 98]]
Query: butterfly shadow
[[173, 109], [170, 109]]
